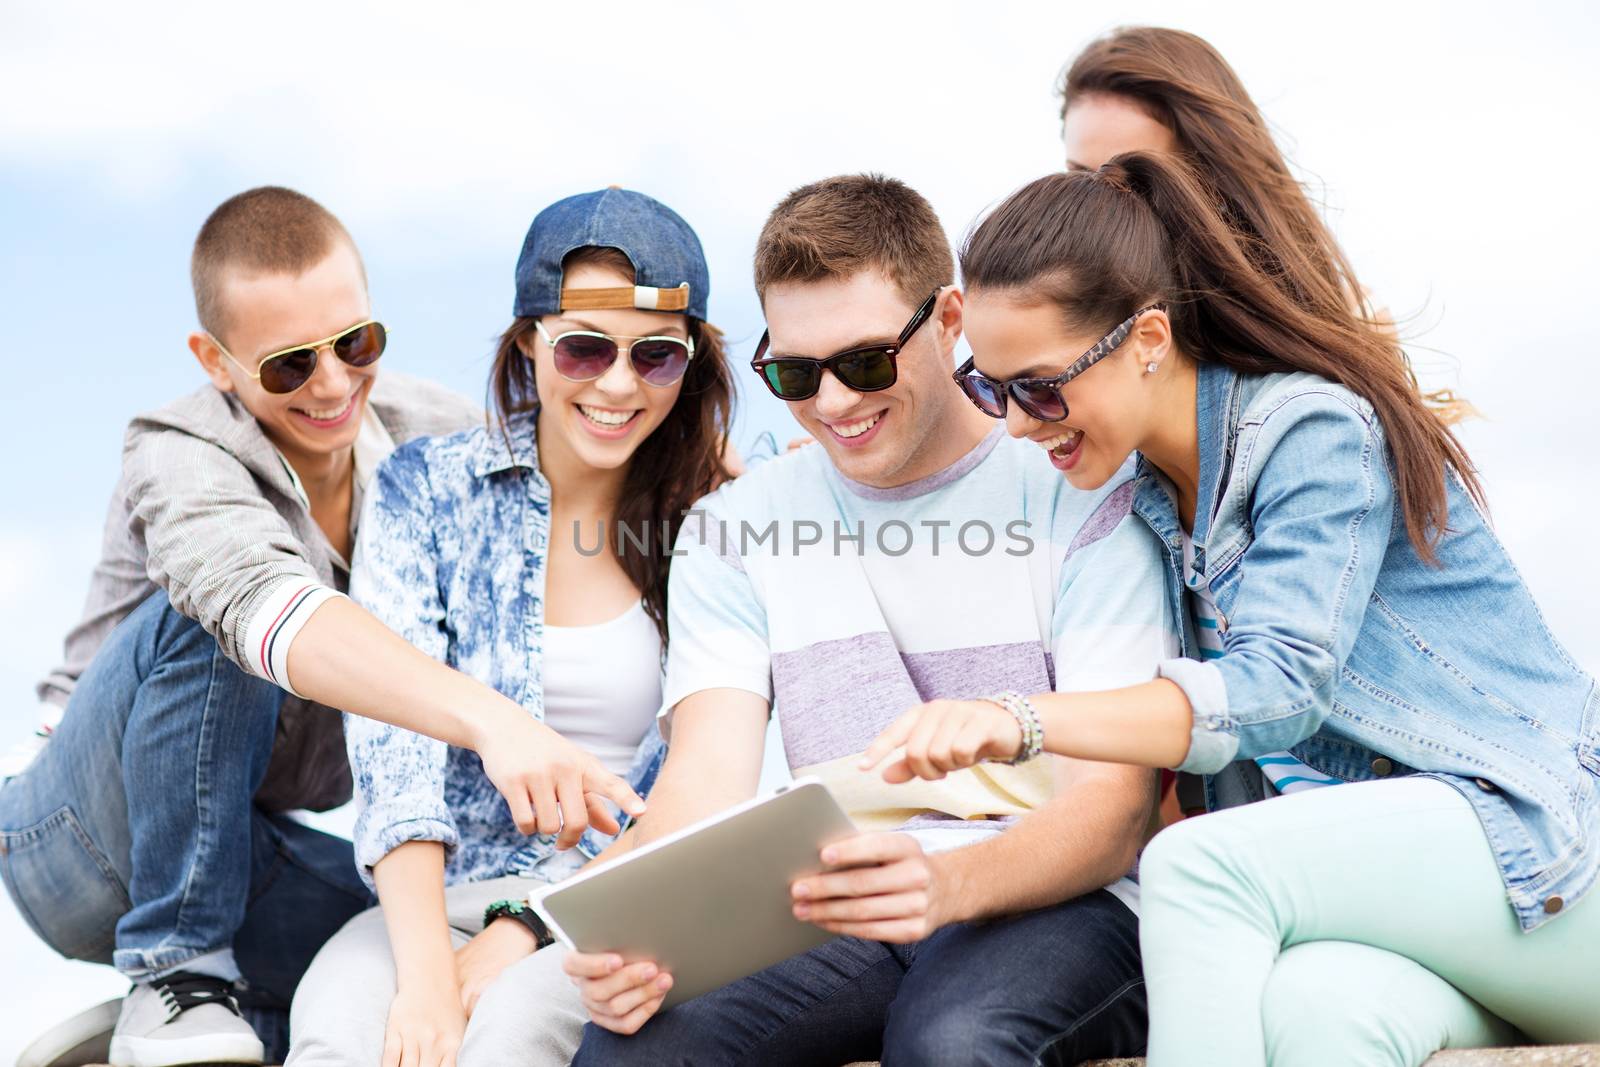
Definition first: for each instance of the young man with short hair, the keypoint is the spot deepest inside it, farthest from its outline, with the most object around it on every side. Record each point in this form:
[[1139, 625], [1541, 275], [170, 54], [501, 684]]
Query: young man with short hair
[[919, 553], [148, 827]]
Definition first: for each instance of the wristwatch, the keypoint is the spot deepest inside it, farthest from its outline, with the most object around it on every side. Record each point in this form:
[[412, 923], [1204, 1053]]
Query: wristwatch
[[519, 910]]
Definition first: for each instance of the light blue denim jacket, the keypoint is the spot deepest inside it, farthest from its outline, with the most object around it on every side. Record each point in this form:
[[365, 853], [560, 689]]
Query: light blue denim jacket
[[454, 538], [1345, 648]]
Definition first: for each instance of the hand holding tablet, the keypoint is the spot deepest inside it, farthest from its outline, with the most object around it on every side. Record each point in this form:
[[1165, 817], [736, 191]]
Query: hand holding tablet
[[697, 909]]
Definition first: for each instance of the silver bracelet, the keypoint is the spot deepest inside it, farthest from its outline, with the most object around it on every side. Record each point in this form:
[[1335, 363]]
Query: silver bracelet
[[1027, 716]]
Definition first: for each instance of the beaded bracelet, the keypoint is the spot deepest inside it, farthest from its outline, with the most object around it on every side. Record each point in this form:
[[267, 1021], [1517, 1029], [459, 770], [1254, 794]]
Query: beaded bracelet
[[1027, 716]]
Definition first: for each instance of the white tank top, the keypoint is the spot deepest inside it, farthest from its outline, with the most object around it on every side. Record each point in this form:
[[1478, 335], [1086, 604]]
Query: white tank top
[[602, 685]]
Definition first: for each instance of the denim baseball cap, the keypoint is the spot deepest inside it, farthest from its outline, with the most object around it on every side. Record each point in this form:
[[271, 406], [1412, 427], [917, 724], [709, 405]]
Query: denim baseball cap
[[668, 264]]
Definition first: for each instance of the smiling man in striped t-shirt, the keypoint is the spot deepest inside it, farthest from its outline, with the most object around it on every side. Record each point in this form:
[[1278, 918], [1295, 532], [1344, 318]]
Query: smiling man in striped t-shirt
[[915, 553]]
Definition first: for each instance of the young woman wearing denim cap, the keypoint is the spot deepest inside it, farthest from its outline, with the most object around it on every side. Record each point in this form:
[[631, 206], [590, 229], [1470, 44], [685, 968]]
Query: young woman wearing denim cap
[[529, 555], [1352, 619]]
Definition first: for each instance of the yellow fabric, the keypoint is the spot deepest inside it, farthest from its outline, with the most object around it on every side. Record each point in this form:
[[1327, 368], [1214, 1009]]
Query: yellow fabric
[[989, 790]]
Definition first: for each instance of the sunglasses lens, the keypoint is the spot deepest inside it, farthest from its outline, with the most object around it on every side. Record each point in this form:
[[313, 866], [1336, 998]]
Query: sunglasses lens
[[363, 345], [1043, 402], [984, 396], [660, 360], [289, 371], [792, 379], [866, 371], [581, 357]]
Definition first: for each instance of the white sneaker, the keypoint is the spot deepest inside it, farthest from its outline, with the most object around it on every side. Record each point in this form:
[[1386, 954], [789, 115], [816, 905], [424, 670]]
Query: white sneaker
[[183, 1019], [83, 1039]]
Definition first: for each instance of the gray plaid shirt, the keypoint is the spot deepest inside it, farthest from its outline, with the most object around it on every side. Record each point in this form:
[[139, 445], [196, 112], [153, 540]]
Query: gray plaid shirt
[[208, 510]]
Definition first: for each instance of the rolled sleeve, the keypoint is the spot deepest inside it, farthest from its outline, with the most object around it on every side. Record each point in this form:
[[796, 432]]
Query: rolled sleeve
[[384, 827], [276, 623], [1322, 512], [1212, 741]]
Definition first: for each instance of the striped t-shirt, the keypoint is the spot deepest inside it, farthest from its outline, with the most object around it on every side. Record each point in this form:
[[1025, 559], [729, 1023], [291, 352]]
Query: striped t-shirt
[[1282, 771], [844, 605]]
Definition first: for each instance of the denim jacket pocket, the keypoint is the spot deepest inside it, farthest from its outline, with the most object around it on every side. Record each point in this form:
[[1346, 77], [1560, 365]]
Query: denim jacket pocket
[[1347, 760], [65, 888]]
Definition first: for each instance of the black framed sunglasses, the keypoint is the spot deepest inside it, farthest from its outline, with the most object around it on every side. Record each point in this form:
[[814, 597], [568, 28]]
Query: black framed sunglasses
[[1040, 397], [865, 369]]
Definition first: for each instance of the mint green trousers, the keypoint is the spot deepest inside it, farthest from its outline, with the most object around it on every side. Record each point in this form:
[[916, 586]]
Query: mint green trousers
[[1353, 925]]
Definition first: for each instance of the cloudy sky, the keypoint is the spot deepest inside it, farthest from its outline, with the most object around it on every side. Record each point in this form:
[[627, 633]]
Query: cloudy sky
[[1446, 140]]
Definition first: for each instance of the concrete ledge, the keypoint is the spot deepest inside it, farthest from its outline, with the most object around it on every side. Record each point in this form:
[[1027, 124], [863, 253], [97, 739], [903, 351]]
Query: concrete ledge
[[1532, 1056], [1547, 1056], [1535, 1056], [1540, 1056]]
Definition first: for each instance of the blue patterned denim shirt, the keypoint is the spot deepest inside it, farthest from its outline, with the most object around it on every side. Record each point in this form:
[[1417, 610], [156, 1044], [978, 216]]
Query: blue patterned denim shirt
[[454, 538]]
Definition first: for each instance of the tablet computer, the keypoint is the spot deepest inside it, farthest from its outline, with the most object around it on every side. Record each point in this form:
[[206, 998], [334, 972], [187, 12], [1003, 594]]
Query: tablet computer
[[710, 903]]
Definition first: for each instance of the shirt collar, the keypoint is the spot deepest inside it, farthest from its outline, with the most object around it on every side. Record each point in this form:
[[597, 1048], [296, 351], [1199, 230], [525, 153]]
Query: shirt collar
[[373, 445], [1213, 409], [929, 483], [503, 447]]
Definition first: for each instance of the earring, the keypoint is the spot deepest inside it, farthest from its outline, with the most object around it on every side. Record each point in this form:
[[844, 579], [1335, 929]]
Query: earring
[[1150, 368]]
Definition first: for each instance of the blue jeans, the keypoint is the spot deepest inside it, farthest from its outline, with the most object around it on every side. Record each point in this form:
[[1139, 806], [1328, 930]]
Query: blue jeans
[[133, 838], [1055, 986]]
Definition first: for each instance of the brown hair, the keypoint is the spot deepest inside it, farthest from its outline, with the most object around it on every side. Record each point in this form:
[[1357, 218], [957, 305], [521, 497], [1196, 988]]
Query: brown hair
[[1145, 228], [1185, 84], [681, 460], [837, 227], [265, 230]]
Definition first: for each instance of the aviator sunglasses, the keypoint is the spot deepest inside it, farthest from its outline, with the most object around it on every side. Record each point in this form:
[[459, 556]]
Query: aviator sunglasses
[[584, 355], [865, 369], [288, 369], [1040, 397]]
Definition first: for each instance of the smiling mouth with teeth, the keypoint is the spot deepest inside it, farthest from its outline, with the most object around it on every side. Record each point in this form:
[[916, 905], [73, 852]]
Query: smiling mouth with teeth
[[607, 418], [1061, 445], [856, 429], [330, 414]]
